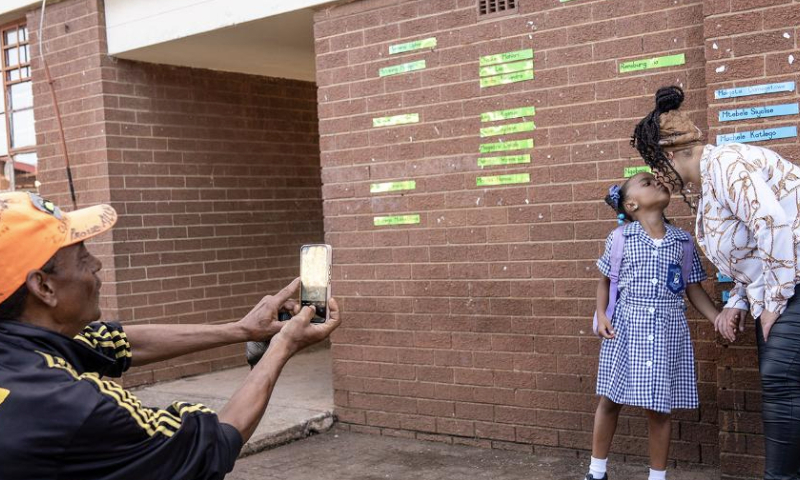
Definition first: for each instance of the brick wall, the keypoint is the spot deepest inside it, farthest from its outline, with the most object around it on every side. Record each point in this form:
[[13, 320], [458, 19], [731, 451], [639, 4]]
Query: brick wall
[[748, 42], [215, 176], [474, 325]]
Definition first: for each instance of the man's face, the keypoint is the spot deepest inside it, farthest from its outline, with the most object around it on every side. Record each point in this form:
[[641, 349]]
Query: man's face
[[77, 285]]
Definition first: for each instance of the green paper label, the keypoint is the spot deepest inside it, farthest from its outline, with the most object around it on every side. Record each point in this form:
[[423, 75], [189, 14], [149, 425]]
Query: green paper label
[[396, 220], [392, 186], [507, 78], [507, 57], [503, 180], [402, 68], [631, 171], [506, 68], [508, 160], [508, 129], [396, 120], [505, 146], [411, 46], [649, 63], [508, 114]]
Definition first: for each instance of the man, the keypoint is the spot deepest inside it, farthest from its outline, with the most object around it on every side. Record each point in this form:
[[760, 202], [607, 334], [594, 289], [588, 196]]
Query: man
[[58, 417]]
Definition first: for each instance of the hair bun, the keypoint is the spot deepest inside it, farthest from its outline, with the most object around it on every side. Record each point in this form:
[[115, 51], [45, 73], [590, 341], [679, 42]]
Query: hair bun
[[669, 98]]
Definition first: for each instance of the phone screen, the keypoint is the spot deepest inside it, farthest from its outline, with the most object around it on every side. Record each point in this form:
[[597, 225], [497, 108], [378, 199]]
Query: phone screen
[[314, 278]]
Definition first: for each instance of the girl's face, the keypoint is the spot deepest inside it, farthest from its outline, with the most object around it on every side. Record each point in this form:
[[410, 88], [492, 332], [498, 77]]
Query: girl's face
[[644, 192]]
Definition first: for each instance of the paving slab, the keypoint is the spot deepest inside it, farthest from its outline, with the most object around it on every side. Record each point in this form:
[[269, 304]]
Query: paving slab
[[301, 404], [340, 454]]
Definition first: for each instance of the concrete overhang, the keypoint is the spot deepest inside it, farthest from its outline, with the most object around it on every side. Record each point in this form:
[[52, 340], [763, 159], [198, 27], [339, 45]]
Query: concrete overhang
[[271, 38]]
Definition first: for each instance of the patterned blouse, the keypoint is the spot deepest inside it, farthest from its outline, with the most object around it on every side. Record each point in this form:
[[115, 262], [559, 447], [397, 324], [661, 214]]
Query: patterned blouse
[[748, 225]]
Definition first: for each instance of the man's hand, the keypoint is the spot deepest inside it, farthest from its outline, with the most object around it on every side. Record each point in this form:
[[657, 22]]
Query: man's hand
[[728, 321], [247, 406], [604, 328], [262, 322], [299, 333], [768, 320]]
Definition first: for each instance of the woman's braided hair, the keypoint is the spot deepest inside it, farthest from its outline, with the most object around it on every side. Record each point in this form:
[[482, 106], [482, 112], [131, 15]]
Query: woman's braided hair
[[647, 134]]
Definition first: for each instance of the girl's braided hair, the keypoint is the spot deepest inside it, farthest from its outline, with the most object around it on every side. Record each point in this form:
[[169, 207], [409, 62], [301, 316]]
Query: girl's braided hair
[[647, 134]]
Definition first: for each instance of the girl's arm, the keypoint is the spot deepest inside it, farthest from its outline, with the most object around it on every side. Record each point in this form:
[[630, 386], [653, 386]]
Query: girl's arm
[[603, 322], [701, 301], [603, 287]]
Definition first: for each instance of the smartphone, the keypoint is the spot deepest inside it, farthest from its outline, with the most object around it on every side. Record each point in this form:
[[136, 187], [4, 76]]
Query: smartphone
[[315, 279]]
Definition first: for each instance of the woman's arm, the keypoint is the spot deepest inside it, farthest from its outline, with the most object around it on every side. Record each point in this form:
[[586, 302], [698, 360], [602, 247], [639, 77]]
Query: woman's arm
[[752, 200]]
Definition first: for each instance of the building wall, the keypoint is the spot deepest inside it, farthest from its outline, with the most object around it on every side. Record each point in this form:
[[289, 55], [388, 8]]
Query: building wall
[[215, 176], [756, 43], [474, 325]]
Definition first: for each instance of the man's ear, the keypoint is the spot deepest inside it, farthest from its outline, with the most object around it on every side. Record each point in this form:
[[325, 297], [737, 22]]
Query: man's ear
[[41, 286]]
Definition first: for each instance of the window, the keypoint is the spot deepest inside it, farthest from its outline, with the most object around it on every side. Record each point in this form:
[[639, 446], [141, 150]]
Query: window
[[17, 136], [496, 7]]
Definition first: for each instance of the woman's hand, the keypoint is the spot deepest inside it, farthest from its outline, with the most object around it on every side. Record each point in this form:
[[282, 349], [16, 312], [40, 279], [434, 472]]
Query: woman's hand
[[768, 320], [727, 322], [604, 328]]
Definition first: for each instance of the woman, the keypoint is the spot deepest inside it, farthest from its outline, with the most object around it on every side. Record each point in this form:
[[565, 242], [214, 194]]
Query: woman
[[748, 225]]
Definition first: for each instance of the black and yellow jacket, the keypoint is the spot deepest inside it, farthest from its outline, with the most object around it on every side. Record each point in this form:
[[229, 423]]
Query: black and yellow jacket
[[59, 419]]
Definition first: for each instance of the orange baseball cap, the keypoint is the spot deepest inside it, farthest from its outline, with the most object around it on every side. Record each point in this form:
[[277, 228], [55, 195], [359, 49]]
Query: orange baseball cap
[[33, 229]]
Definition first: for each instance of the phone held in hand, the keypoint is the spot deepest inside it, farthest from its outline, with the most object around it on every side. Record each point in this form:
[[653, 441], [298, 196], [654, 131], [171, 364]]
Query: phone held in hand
[[315, 279]]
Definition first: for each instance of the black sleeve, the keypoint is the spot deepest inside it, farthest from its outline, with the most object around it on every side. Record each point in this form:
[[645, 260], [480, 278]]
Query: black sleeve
[[109, 339], [123, 440]]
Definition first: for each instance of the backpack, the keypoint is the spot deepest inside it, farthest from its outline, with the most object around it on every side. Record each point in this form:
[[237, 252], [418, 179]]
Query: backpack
[[617, 249]]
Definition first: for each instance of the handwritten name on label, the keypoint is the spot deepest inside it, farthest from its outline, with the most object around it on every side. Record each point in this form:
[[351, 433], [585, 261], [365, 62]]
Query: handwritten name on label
[[631, 171], [507, 129], [506, 68], [395, 120], [396, 220], [759, 112], [503, 180], [507, 160], [392, 186], [757, 135], [411, 46], [505, 146], [402, 68], [508, 114], [649, 63], [515, 56], [507, 78], [754, 90]]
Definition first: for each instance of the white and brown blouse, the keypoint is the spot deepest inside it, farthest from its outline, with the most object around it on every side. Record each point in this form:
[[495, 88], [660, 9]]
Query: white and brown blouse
[[748, 225]]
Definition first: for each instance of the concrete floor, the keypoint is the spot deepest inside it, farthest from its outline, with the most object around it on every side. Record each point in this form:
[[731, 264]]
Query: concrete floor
[[302, 402], [338, 455]]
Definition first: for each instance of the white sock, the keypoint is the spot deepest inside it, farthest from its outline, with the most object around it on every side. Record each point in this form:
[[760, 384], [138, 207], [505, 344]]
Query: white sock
[[598, 467], [658, 474]]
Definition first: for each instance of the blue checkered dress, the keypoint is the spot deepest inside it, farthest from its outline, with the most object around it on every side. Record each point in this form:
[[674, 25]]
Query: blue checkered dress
[[650, 363]]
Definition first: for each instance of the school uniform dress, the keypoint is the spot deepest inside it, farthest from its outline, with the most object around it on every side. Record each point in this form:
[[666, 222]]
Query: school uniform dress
[[650, 362], [748, 224]]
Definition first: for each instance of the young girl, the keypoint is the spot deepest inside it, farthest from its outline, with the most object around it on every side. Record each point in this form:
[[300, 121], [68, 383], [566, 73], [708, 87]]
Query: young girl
[[646, 358]]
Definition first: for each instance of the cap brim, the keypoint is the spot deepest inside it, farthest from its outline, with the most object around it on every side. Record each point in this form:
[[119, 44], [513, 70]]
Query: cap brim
[[88, 222]]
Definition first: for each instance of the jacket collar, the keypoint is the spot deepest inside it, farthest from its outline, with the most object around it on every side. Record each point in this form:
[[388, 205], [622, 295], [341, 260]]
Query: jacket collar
[[33, 338]]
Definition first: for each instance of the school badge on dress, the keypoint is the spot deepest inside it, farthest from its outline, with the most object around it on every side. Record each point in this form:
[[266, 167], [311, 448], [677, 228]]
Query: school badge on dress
[[675, 281]]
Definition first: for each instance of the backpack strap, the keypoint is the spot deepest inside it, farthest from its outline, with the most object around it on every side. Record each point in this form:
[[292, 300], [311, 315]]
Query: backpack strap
[[688, 259], [617, 251]]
